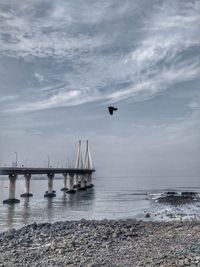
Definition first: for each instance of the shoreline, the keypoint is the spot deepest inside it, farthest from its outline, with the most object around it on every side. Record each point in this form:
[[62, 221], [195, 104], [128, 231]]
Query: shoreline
[[102, 243]]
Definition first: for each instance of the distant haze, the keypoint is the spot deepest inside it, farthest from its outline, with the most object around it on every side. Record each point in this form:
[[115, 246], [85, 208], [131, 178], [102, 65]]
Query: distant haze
[[63, 62]]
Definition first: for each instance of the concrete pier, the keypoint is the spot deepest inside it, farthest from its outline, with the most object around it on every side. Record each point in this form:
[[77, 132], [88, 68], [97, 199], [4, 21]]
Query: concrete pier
[[83, 183], [71, 189], [51, 192], [12, 183], [76, 181], [89, 181], [64, 182], [27, 193]]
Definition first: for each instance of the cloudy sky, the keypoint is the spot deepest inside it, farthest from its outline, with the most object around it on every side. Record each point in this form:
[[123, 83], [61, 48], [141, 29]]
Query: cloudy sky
[[62, 62]]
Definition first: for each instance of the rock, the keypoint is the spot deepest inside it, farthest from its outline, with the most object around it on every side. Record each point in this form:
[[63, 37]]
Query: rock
[[114, 235], [68, 262], [187, 262], [102, 243], [147, 215], [191, 194], [173, 198]]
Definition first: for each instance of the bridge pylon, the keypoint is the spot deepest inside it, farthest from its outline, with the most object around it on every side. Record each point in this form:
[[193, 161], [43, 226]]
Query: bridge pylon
[[88, 158], [79, 180], [88, 165]]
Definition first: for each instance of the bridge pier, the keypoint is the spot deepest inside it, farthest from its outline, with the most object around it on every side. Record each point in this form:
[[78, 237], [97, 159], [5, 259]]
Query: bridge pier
[[64, 182], [12, 184], [27, 193], [83, 183], [71, 189], [76, 181], [50, 193], [89, 181]]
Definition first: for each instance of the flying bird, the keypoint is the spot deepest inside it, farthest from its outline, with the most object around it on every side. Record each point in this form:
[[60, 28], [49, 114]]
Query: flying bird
[[111, 109]]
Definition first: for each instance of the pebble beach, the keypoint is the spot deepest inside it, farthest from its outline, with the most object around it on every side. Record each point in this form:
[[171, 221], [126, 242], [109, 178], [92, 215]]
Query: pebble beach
[[102, 243]]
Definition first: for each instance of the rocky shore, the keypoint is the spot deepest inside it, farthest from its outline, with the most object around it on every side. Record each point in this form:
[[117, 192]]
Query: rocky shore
[[102, 243]]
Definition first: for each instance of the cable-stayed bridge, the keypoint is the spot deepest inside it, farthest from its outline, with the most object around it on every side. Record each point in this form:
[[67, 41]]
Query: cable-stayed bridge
[[77, 178]]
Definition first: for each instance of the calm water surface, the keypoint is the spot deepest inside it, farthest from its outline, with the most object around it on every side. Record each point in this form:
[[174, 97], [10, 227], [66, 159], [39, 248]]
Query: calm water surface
[[112, 198]]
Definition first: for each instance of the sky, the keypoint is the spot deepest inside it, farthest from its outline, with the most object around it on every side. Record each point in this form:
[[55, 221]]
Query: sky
[[63, 62]]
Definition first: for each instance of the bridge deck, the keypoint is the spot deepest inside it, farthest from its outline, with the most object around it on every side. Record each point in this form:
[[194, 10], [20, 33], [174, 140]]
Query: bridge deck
[[23, 170]]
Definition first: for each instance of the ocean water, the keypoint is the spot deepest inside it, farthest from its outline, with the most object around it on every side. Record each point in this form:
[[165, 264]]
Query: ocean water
[[111, 198]]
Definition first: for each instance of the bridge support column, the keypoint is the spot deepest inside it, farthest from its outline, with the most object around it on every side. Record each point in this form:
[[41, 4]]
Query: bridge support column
[[12, 183], [89, 181], [27, 193], [50, 193], [83, 183], [71, 189], [76, 182], [65, 182]]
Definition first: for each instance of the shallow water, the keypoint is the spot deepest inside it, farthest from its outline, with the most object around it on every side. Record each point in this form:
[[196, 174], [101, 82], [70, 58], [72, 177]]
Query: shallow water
[[111, 198]]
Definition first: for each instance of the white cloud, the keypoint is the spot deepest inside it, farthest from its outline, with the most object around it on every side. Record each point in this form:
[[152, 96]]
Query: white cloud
[[160, 81], [195, 104], [158, 59], [61, 99], [8, 98], [39, 77]]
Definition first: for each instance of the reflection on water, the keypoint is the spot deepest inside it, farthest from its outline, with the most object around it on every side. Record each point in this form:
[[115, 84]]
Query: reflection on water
[[110, 198], [37, 208], [51, 207], [26, 211], [10, 217]]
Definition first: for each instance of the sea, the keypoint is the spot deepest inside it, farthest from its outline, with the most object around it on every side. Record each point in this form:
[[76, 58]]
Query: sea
[[111, 198]]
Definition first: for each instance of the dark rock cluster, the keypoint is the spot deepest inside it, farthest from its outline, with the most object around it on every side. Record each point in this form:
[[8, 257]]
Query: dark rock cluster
[[174, 198]]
